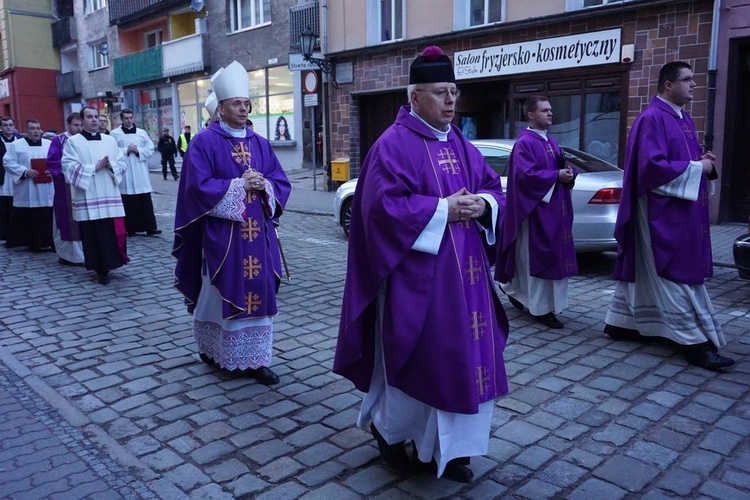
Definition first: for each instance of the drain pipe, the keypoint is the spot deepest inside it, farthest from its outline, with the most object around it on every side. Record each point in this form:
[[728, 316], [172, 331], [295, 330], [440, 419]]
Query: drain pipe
[[708, 135], [326, 96]]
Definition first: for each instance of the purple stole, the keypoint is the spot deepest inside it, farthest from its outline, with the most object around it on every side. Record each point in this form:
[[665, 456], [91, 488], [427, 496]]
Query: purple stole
[[62, 201]]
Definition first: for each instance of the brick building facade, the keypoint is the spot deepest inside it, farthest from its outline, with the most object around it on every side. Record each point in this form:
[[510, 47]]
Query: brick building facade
[[662, 32]]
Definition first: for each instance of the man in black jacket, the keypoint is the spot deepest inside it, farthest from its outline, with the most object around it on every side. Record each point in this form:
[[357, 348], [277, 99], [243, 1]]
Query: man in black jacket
[[168, 149]]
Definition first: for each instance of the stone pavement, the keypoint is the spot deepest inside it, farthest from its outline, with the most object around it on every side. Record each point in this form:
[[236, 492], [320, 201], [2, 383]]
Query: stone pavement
[[103, 396]]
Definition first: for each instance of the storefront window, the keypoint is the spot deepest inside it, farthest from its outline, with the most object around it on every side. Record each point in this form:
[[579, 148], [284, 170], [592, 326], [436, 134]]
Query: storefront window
[[602, 125], [566, 119], [192, 95], [273, 103]]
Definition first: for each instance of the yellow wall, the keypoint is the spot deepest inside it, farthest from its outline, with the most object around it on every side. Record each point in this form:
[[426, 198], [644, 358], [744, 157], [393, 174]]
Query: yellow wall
[[182, 25], [516, 10], [30, 36]]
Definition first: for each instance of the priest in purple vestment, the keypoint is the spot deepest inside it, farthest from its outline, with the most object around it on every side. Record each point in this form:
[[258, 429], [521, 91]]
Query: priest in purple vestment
[[663, 231], [232, 191], [65, 232], [535, 248], [422, 329]]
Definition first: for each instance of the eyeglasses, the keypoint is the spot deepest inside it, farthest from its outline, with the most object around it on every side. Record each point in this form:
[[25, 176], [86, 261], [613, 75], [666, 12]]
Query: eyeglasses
[[442, 94], [685, 79]]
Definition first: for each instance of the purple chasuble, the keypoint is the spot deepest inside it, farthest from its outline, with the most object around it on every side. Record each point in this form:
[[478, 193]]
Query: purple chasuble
[[444, 329], [660, 148], [241, 258], [61, 202], [532, 171]]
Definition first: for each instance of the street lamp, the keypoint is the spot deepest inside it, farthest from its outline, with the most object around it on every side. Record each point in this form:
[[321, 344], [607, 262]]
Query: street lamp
[[307, 40]]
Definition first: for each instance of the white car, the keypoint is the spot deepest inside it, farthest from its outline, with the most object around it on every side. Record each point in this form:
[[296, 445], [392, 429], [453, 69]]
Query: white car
[[596, 195]]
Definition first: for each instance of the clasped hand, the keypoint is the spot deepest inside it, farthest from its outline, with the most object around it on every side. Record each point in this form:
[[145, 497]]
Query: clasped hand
[[464, 206], [707, 160], [254, 181], [565, 175]]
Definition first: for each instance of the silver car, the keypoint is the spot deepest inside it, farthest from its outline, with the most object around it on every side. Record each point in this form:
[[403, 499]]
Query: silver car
[[596, 195]]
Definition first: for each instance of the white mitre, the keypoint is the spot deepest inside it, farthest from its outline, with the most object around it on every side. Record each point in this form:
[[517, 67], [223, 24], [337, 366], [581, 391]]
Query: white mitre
[[211, 104], [231, 82]]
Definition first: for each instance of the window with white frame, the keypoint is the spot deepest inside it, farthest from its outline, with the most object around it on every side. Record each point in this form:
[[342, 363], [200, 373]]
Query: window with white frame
[[391, 20], [96, 58], [582, 4], [485, 12], [152, 38], [92, 5], [244, 14]]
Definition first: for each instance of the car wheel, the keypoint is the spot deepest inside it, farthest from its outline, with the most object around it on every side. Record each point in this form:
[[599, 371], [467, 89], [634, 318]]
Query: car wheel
[[346, 216]]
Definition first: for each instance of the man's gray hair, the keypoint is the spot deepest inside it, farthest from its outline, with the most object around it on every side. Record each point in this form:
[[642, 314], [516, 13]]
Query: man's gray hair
[[409, 89]]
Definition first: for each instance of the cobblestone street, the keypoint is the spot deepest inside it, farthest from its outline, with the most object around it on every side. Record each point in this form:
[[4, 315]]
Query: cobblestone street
[[104, 396]]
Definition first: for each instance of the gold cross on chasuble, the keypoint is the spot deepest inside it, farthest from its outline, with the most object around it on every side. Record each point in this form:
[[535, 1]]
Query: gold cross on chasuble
[[448, 162], [252, 302], [250, 229], [477, 324], [483, 380], [241, 154], [473, 270], [549, 149], [251, 267]]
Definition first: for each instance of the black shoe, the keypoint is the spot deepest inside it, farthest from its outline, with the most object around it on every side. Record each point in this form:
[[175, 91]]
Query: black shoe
[[456, 470], [176, 178], [515, 303], [550, 320], [209, 361], [102, 278], [154, 232], [706, 356], [626, 334], [165, 178], [65, 262], [131, 234], [393, 454], [263, 375]]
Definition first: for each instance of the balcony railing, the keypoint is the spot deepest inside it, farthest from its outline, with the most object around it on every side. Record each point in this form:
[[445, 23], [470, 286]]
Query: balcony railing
[[63, 31], [142, 66], [68, 85], [185, 55], [122, 11]]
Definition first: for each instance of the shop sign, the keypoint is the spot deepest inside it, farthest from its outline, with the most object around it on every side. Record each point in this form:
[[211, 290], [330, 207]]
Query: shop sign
[[586, 49]]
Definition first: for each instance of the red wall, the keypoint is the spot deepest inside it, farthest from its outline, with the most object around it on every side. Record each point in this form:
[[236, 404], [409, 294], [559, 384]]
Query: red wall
[[33, 94]]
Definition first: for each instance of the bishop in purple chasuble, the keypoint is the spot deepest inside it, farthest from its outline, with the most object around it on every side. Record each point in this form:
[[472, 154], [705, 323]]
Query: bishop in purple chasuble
[[443, 327], [533, 170], [241, 256], [660, 148]]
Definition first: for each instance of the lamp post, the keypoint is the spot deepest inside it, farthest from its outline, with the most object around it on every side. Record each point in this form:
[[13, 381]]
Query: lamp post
[[307, 41]]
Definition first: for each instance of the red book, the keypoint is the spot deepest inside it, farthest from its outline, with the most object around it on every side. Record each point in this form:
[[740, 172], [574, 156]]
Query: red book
[[40, 165]]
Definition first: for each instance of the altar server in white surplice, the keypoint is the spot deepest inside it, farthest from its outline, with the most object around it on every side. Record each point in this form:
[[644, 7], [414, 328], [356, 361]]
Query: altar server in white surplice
[[31, 220]]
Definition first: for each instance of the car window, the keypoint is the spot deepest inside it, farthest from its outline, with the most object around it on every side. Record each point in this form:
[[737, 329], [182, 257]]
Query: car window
[[585, 162], [496, 158]]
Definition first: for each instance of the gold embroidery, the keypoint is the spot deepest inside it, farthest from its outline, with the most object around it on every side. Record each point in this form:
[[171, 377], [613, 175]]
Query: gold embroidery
[[241, 154], [477, 324], [250, 229], [473, 270], [483, 380], [448, 162], [251, 267], [253, 302]]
